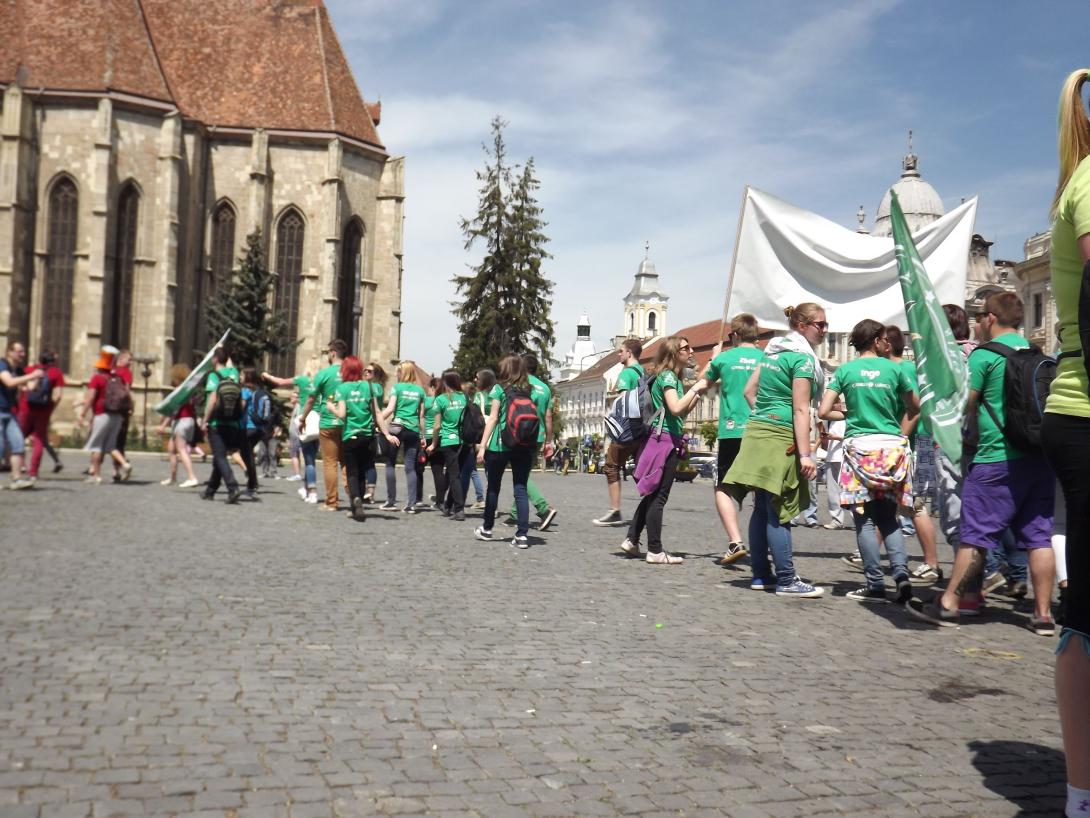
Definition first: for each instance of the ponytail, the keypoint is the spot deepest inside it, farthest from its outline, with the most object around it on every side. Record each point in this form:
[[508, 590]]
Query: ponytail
[[1074, 127]]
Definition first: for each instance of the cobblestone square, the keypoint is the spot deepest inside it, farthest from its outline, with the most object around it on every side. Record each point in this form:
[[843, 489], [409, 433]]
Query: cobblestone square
[[160, 655]]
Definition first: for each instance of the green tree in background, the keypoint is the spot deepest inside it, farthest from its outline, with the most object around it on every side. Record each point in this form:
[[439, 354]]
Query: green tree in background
[[244, 307], [505, 300]]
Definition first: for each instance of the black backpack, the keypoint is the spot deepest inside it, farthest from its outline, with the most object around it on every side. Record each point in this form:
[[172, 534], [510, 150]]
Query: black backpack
[[228, 400], [471, 427], [42, 393], [1027, 380], [521, 423]]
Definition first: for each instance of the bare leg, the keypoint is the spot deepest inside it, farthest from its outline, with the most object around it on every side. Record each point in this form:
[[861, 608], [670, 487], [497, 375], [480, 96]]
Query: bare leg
[[968, 566], [925, 533], [1072, 682], [173, 450], [119, 459], [16, 466], [182, 448], [1042, 573], [728, 515], [96, 464], [615, 495]]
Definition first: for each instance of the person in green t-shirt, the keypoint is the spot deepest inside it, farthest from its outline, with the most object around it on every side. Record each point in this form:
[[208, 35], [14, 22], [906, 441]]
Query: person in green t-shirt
[[542, 396], [374, 373], [446, 441], [223, 435], [405, 413], [299, 449], [433, 460], [1005, 488], [496, 456], [477, 393], [330, 426], [617, 454], [1065, 430], [732, 369], [672, 403], [355, 403], [877, 394]]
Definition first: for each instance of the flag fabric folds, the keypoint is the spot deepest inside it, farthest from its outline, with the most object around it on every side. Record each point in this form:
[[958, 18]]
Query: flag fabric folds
[[940, 366], [177, 398], [787, 255]]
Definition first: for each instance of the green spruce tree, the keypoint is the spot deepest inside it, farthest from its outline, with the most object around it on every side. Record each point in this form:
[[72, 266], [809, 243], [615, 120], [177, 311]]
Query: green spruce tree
[[244, 307], [504, 300]]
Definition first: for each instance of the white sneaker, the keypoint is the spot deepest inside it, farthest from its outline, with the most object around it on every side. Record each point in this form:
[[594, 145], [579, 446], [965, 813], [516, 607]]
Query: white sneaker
[[189, 484], [630, 548], [662, 558], [483, 534], [169, 481], [295, 478], [302, 492], [312, 498], [520, 542]]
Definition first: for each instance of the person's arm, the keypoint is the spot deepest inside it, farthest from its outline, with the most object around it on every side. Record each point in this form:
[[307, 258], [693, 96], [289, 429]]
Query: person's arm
[[679, 407], [209, 408], [911, 417], [801, 389], [750, 392], [380, 421], [306, 410], [89, 398], [338, 408], [828, 401], [12, 381], [436, 423], [420, 417], [489, 424], [280, 383], [391, 404], [549, 428]]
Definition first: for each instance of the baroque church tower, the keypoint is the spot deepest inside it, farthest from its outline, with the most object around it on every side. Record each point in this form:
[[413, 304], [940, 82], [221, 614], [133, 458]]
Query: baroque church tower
[[645, 305]]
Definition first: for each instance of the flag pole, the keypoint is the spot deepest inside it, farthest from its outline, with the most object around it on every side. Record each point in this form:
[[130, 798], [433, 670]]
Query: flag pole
[[733, 261]]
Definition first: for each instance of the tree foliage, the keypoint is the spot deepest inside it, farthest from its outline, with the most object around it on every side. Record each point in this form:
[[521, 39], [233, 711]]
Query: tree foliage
[[504, 302], [244, 307]]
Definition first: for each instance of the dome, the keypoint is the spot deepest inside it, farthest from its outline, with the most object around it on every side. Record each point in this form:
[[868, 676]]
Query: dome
[[919, 201]]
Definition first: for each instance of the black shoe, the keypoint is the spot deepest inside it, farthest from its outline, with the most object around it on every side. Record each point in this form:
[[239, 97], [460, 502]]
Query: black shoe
[[207, 495], [358, 514], [547, 520], [57, 466], [233, 496], [459, 516], [1016, 590], [866, 594], [904, 591]]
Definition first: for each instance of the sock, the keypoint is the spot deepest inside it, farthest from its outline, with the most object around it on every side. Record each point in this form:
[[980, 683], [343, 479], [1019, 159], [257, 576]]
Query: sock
[[1078, 802]]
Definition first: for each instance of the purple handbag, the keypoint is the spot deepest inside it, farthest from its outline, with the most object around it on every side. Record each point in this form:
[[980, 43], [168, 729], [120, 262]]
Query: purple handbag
[[652, 457]]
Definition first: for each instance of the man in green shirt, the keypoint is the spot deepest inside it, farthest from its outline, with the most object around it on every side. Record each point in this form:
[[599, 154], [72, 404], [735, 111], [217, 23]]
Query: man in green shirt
[[617, 454], [732, 368], [330, 426], [224, 434], [542, 396], [1006, 487]]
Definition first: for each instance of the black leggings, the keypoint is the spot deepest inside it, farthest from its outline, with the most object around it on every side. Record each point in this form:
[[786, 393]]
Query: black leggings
[[358, 455], [649, 511], [1066, 442], [448, 486]]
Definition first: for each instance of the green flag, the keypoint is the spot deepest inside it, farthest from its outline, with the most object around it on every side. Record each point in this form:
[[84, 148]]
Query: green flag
[[176, 399], [940, 366]]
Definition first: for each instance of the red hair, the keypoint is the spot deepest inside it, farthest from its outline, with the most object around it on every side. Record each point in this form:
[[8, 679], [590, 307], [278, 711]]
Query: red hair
[[351, 369]]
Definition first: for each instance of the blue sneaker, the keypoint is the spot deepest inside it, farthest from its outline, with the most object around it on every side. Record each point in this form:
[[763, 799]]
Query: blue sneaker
[[762, 584], [798, 588]]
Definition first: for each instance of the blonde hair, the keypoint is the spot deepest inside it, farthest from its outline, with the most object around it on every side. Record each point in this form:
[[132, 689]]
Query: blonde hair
[[803, 314], [1074, 127], [311, 367], [406, 372], [668, 356], [178, 373]]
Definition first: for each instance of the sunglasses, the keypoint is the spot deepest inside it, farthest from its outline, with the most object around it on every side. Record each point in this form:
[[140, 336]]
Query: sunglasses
[[821, 325], [369, 370]]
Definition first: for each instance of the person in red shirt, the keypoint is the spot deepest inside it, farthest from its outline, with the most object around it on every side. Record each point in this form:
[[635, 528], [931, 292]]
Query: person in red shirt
[[36, 408], [106, 424]]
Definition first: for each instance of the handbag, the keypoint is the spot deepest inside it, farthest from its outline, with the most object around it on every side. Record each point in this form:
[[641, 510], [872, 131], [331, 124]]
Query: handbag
[[309, 431], [653, 454]]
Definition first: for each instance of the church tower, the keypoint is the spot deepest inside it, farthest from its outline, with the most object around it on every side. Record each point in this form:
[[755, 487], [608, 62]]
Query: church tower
[[582, 352], [645, 304]]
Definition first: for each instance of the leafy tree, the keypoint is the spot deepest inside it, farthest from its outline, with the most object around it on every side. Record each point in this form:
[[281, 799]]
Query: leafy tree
[[709, 433], [244, 307], [505, 299]]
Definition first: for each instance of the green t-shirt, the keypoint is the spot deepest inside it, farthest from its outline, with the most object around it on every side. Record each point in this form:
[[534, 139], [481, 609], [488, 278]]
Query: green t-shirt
[[358, 397], [542, 396], [214, 378], [629, 377], [778, 373], [305, 385], [326, 382], [732, 368], [449, 406], [872, 389], [1068, 394], [909, 368], [986, 373], [407, 406], [429, 415], [663, 381], [497, 395]]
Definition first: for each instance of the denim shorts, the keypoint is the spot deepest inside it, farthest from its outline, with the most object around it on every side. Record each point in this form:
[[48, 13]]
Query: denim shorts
[[1015, 494], [11, 436]]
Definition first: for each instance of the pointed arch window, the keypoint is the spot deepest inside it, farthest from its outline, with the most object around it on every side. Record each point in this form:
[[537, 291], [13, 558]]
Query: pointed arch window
[[222, 260], [60, 269], [289, 271], [348, 286], [651, 322], [123, 278]]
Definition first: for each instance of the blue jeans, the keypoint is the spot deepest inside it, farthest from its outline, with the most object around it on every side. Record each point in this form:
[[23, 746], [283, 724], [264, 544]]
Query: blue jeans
[[767, 533], [495, 463], [310, 454], [880, 515], [1017, 561], [469, 472], [11, 436], [809, 516]]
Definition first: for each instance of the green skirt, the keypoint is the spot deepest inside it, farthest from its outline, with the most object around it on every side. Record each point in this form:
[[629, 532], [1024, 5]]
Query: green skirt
[[763, 463]]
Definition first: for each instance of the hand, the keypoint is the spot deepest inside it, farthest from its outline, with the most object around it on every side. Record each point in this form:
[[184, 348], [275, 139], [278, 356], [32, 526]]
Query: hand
[[393, 441], [807, 467], [480, 454], [81, 421]]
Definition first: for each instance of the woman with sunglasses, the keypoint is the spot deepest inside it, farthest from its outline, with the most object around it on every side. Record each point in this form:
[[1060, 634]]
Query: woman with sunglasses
[[669, 397], [776, 460]]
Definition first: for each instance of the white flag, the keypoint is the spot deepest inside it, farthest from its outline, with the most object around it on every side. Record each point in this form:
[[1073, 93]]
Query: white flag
[[787, 255]]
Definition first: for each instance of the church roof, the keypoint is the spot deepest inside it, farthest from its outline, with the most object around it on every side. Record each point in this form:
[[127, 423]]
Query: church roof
[[920, 202], [646, 284], [273, 64]]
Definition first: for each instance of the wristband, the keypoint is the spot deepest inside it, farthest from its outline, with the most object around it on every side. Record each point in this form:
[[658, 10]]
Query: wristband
[[801, 456]]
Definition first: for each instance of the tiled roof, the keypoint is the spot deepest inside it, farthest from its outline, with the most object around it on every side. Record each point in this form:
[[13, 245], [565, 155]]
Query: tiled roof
[[595, 372], [273, 64], [702, 338]]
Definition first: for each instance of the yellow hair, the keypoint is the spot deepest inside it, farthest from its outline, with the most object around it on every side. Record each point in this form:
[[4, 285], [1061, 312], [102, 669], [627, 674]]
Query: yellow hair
[[1074, 127]]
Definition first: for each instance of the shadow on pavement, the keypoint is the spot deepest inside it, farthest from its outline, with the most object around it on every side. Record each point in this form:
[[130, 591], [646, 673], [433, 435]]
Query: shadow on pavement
[[1031, 776]]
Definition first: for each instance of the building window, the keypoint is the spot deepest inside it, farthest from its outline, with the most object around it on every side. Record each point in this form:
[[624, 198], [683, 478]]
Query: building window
[[830, 342], [123, 280], [651, 321], [631, 323], [60, 270], [348, 287], [222, 260], [289, 272], [1038, 310]]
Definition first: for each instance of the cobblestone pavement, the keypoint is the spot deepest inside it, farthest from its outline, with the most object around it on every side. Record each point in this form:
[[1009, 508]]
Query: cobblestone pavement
[[167, 656]]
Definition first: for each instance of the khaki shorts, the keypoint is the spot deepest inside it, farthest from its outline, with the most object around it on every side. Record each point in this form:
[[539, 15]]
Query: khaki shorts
[[616, 456]]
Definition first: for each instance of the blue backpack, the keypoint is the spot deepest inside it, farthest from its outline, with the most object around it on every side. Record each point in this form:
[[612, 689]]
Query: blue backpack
[[632, 414], [42, 393]]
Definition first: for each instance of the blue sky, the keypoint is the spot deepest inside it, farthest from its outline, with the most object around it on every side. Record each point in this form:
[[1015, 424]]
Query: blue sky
[[646, 120]]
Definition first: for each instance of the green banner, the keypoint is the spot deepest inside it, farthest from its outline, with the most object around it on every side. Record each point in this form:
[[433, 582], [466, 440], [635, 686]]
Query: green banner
[[169, 405], [940, 366]]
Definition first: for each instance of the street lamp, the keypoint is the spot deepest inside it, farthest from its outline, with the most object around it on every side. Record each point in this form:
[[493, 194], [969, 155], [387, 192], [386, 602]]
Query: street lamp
[[145, 361]]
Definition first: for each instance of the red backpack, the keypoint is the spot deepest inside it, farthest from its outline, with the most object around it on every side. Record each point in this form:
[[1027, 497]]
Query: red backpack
[[521, 423]]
